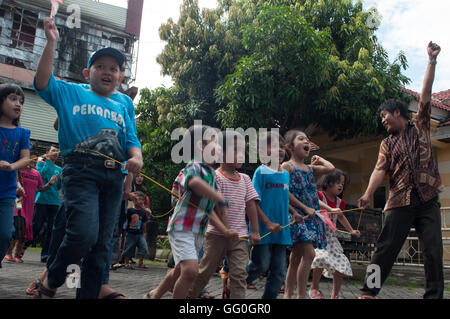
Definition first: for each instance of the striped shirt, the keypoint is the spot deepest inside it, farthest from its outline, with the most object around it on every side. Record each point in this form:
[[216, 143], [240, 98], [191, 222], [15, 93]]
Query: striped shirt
[[238, 192], [192, 211]]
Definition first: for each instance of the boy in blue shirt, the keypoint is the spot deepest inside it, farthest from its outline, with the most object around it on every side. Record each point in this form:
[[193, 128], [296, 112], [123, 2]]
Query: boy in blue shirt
[[92, 186], [270, 253]]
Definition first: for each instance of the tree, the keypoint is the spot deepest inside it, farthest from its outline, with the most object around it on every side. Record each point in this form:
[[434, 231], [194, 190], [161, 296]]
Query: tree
[[311, 62]]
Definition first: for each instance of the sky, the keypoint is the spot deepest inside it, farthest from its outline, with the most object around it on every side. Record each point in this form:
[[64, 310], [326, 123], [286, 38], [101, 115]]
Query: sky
[[406, 25]]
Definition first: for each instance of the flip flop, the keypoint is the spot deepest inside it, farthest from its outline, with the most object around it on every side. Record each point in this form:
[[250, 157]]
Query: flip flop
[[113, 295]]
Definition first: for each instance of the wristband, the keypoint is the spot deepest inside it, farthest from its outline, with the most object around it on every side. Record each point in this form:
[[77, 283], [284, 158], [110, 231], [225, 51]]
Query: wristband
[[433, 62], [223, 204]]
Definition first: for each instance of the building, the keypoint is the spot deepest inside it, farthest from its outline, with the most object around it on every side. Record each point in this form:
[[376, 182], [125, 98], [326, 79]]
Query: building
[[358, 157], [22, 39]]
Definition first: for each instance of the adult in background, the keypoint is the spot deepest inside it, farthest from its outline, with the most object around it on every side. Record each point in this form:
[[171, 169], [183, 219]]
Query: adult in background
[[47, 203], [406, 157]]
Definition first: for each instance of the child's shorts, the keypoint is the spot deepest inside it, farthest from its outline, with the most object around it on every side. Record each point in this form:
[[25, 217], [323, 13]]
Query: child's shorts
[[131, 242], [185, 245]]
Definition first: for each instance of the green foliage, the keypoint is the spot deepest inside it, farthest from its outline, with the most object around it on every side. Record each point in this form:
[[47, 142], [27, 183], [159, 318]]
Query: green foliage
[[311, 62], [265, 63]]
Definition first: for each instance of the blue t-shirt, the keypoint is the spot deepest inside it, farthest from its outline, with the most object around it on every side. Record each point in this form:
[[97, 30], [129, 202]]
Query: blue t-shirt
[[47, 169], [88, 120], [12, 141], [273, 190], [123, 99]]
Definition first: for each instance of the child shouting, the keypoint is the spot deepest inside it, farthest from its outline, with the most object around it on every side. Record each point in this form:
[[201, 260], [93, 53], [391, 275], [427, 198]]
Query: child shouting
[[193, 211], [92, 186]]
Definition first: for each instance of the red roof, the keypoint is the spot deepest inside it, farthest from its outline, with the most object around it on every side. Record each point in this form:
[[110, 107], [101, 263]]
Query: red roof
[[435, 100], [443, 97]]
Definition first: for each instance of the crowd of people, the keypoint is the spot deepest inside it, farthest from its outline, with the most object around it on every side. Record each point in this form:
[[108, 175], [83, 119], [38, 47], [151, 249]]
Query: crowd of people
[[221, 216]]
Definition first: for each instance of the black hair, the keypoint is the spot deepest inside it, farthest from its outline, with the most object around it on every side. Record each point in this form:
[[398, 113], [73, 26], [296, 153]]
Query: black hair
[[391, 105], [7, 89], [331, 179], [289, 138]]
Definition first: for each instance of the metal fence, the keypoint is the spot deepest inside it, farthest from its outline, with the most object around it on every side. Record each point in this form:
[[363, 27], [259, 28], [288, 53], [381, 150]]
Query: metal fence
[[411, 252]]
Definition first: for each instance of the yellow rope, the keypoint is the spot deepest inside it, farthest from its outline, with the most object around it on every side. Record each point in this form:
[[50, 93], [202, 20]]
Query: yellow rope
[[159, 216]]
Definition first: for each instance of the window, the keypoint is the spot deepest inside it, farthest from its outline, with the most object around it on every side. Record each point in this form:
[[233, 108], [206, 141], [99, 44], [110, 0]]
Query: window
[[23, 29]]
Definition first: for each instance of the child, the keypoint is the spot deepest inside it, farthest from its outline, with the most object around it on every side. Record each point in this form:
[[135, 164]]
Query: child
[[88, 120], [14, 154], [310, 233], [273, 211], [238, 190], [32, 182], [188, 222], [332, 258], [137, 219]]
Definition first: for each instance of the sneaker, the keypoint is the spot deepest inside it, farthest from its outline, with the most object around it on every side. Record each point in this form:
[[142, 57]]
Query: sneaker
[[315, 294], [18, 260], [8, 258]]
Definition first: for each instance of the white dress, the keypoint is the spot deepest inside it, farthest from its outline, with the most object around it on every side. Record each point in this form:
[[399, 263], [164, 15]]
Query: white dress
[[332, 258]]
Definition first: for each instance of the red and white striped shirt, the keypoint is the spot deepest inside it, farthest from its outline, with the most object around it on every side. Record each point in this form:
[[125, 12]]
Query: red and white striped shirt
[[237, 192]]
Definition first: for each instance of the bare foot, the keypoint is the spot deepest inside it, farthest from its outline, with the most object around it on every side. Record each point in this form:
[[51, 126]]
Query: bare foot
[[150, 295]]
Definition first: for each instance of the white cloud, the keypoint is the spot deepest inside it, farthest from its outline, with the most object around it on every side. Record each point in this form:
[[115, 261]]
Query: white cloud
[[409, 25]]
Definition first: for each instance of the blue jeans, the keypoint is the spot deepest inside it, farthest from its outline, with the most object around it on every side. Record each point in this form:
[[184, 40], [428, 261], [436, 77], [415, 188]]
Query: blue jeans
[[6, 225], [114, 243], [58, 232], [272, 258], [91, 197]]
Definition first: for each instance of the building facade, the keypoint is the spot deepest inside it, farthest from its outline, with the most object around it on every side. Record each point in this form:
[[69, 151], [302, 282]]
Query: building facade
[[85, 26]]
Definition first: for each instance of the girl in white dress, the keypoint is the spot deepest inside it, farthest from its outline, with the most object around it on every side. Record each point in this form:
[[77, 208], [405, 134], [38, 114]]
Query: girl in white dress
[[331, 261]]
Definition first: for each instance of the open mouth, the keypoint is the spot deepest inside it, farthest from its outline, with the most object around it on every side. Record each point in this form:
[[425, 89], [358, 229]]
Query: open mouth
[[106, 81], [307, 148]]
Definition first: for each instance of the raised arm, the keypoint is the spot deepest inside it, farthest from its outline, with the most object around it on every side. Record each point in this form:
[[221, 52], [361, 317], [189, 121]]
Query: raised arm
[[45, 65], [425, 97]]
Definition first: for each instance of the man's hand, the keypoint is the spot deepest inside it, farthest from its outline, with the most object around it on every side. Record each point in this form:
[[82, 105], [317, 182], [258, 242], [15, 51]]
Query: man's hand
[[51, 31], [433, 50], [363, 201], [355, 233]]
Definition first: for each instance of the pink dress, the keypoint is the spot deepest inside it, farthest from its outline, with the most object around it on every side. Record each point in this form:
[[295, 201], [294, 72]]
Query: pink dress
[[30, 180]]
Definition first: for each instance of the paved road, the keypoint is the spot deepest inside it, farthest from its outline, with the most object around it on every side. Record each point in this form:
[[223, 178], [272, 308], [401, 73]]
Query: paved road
[[14, 278]]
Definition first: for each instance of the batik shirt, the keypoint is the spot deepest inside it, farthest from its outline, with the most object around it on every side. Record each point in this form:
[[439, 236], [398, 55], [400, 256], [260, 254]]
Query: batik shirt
[[408, 159]]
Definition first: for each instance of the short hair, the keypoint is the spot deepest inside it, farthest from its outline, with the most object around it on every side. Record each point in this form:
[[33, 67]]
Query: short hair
[[7, 89], [391, 105], [331, 179]]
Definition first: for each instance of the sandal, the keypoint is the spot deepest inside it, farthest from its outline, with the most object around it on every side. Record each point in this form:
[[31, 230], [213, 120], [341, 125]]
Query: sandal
[[113, 295], [18, 260], [42, 291], [33, 287], [8, 258], [315, 294]]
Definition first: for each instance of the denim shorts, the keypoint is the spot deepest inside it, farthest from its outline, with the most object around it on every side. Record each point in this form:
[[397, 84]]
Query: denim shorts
[[131, 242]]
